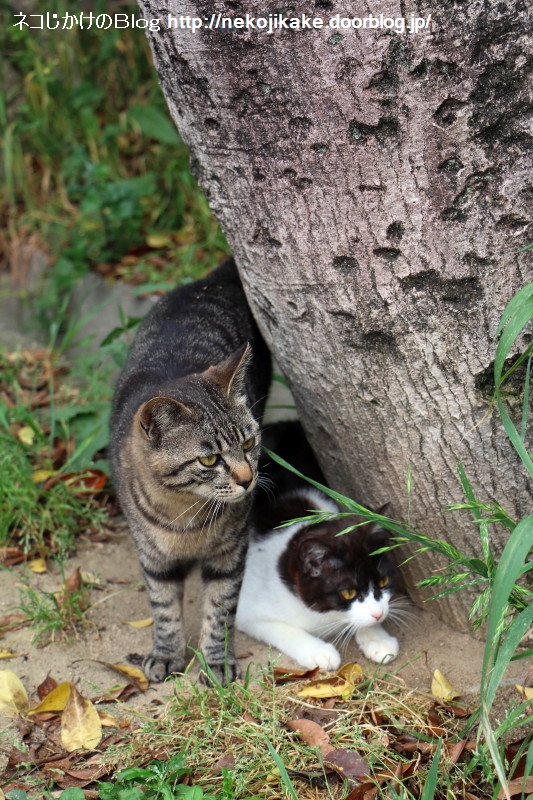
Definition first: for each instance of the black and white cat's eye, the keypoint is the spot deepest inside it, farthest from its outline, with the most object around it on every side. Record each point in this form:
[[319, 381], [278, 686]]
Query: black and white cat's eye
[[384, 582], [209, 461], [348, 594], [248, 444]]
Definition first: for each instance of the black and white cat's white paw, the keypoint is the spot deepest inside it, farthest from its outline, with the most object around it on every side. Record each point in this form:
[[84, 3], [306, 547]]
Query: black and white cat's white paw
[[158, 666], [320, 654], [377, 645]]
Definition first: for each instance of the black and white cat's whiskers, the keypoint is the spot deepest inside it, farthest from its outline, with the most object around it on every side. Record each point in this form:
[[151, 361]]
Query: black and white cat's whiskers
[[304, 583]]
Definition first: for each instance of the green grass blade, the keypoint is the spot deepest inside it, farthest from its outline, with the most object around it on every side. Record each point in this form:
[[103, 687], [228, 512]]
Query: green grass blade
[[282, 770], [430, 786], [509, 568]]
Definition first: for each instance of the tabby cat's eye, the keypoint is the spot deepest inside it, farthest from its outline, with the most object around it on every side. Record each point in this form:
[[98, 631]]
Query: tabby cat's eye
[[208, 461], [248, 444], [384, 582], [348, 594]]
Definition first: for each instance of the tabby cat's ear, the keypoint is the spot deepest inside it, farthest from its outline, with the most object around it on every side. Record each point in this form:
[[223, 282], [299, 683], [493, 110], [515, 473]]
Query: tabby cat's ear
[[230, 375], [160, 413]]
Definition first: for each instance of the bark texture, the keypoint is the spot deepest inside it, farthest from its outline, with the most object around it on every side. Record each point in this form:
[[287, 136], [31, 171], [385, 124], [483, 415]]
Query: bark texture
[[375, 188]]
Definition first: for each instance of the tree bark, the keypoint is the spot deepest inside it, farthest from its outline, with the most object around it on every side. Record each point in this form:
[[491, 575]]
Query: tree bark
[[375, 188]]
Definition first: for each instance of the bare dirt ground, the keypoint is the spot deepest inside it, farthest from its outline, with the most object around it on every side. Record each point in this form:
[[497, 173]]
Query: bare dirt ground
[[426, 643]]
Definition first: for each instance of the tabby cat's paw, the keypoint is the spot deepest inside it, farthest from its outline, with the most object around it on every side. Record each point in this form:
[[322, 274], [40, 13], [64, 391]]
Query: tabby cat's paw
[[157, 666], [221, 673]]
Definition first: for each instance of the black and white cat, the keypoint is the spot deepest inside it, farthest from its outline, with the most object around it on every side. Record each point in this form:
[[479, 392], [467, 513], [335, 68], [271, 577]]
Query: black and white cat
[[304, 583]]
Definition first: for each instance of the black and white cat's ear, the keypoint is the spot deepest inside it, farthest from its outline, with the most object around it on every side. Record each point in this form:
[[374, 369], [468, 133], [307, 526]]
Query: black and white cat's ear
[[230, 375], [161, 413], [312, 555]]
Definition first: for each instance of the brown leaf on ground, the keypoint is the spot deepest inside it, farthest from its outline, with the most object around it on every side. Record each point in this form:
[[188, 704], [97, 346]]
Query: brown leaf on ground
[[312, 734], [282, 675], [365, 791], [348, 764], [517, 786], [46, 687], [11, 556], [227, 761], [455, 750]]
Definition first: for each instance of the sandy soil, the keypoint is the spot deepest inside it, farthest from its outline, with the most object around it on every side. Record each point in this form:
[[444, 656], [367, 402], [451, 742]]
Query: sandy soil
[[426, 643]]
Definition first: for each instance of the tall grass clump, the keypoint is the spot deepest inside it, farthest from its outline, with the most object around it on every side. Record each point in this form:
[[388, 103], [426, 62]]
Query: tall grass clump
[[504, 600]]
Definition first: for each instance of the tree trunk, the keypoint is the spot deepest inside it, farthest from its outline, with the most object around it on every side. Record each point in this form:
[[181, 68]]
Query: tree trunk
[[375, 187]]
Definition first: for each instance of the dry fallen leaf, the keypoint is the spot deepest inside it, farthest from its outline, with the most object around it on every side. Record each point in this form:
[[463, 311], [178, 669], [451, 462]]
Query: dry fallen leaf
[[442, 689], [351, 672], [26, 435], [519, 786], [312, 733], [283, 675], [13, 695], [133, 674], [38, 565], [46, 686], [348, 764], [6, 654], [525, 691], [141, 623], [340, 685], [41, 475], [80, 723], [107, 720], [56, 700]]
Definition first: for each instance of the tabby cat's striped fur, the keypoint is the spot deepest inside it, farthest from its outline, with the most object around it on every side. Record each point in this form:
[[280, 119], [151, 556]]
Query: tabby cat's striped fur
[[185, 444]]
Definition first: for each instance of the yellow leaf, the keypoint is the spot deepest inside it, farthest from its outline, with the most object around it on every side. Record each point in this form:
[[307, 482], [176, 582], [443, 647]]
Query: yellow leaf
[[526, 691], [13, 696], [351, 672], [107, 720], [158, 240], [7, 654], [141, 623], [26, 435], [441, 688], [38, 565], [56, 700], [92, 579], [80, 723], [133, 674], [341, 684], [41, 475], [327, 687]]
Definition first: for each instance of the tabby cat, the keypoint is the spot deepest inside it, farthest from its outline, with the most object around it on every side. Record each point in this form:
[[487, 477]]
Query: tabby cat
[[185, 442], [305, 582]]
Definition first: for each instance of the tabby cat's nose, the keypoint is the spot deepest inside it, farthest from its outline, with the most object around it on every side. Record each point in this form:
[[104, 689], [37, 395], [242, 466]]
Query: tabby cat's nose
[[244, 483]]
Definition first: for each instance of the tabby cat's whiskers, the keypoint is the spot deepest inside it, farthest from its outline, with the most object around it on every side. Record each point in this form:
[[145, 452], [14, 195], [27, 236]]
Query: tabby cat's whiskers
[[183, 440]]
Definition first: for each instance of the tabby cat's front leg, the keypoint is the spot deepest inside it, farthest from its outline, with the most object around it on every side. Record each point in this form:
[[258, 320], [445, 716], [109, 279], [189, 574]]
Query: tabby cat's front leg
[[222, 583], [169, 645]]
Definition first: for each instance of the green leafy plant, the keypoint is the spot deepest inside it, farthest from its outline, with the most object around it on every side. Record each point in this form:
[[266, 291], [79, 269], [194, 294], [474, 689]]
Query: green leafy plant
[[93, 167], [56, 614], [504, 601]]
